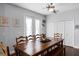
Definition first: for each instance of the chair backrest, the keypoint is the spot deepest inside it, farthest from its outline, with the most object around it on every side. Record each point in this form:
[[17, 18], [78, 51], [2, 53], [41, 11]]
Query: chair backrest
[[38, 36], [57, 35], [21, 39], [5, 49], [31, 37]]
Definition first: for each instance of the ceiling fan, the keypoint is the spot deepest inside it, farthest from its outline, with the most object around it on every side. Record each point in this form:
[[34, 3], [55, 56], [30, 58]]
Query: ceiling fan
[[51, 8]]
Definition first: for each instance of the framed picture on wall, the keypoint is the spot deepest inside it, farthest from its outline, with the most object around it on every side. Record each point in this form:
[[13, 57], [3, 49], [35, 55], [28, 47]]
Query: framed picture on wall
[[43, 23], [3, 21], [15, 22]]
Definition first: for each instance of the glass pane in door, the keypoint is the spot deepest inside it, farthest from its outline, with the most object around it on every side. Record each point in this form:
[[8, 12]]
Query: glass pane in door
[[28, 26]]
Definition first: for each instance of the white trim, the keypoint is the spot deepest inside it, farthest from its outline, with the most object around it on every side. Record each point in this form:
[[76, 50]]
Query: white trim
[[76, 47]]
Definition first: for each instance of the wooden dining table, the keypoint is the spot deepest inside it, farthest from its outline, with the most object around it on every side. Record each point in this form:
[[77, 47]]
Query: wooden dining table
[[36, 47]]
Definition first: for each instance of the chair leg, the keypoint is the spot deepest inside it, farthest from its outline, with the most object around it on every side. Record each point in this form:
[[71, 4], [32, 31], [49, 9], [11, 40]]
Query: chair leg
[[64, 51], [17, 52]]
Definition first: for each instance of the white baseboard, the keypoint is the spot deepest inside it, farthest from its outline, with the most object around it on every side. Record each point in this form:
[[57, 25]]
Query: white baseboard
[[77, 47]]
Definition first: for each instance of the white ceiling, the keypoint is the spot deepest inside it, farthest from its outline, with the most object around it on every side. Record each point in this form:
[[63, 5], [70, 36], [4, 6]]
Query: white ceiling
[[41, 7]]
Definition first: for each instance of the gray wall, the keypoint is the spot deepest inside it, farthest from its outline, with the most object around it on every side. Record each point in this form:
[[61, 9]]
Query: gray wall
[[8, 34]]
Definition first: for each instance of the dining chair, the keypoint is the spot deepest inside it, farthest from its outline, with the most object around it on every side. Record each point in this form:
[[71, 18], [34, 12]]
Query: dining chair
[[6, 51], [57, 36], [34, 37], [21, 40]]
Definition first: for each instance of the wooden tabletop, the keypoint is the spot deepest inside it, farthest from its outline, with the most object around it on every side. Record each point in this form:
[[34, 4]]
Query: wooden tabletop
[[36, 47]]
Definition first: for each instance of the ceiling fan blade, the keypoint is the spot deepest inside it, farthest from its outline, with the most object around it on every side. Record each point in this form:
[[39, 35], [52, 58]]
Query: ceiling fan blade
[[56, 11]]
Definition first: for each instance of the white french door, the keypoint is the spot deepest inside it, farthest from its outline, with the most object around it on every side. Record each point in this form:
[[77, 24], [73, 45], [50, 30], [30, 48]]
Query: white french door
[[37, 26], [69, 33], [64, 27], [28, 26], [67, 29], [32, 26]]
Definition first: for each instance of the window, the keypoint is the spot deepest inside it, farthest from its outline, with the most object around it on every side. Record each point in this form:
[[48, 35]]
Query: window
[[32, 26], [37, 26], [28, 26]]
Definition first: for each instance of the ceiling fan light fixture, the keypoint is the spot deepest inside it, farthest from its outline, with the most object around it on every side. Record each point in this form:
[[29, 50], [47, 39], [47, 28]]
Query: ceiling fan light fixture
[[50, 9]]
